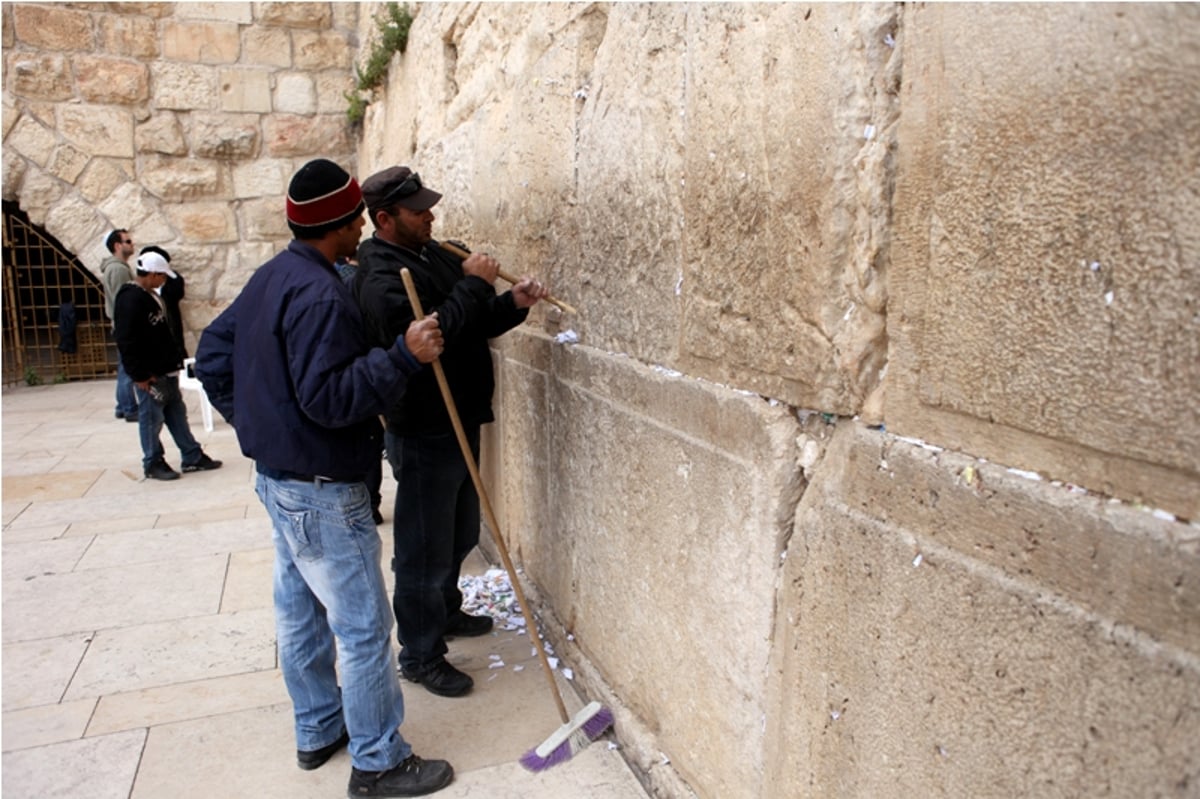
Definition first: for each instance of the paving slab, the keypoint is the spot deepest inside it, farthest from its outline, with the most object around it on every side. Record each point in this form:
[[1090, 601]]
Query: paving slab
[[139, 643]]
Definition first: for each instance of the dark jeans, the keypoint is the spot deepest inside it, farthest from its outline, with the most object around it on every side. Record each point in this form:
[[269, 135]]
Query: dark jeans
[[171, 412], [126, 400], [436, 525]]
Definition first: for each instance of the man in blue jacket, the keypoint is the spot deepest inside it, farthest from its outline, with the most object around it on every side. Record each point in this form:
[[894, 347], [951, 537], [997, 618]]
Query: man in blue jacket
[[289, 366]]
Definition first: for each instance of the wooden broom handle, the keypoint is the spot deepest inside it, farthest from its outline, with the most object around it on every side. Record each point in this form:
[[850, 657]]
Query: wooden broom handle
[[461, 253], [494, 526]]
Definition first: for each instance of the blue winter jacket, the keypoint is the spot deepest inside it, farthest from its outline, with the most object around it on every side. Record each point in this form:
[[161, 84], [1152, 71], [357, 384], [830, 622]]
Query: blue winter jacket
[[288, 365]]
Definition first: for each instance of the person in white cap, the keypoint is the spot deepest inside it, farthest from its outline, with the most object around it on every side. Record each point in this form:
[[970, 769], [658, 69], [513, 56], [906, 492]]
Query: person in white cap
[[153, 356]]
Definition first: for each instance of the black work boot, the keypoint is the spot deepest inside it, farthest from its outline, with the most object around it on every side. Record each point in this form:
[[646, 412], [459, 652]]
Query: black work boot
[[159, 470], [439, 678], [413, 777]]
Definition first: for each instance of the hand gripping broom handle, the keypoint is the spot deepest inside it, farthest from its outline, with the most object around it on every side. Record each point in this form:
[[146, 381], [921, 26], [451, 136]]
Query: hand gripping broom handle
[[461, 253], [452, 409]]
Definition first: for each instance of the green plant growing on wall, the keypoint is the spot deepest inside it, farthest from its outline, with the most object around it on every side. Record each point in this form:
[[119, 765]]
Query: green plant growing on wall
[[393, 25], [32, 378]]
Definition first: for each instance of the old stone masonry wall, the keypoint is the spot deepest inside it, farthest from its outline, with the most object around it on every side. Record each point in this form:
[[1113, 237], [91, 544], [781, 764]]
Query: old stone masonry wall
[[182, 122], [870, 466]]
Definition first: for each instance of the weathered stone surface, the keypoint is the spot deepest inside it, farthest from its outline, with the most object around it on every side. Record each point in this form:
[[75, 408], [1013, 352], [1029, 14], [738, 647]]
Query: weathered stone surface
[[294, 15], [210, 222], [111, 80], [162, 133], [264, 219], [76, 222], [332, 88], [40, 76], [67, 163], [39, 192], [224, 136], [102, 176], [9, 36], [179, 179], [267, 46], [243, 261], [184, 87], [204, 42], [240, 13], [98, 129], [52, 27], [129, 206], [1044, 276], [152, 10], [157, 229], [32, 140], [14, 173], [136, 37], [345, 15], [316, 50], [262, 176], [294, 94], [288, 135], [930, 611], [8, 114], [245, 90]]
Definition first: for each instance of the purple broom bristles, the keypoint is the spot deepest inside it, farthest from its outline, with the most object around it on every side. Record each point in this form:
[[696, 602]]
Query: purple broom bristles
[[576, 735]]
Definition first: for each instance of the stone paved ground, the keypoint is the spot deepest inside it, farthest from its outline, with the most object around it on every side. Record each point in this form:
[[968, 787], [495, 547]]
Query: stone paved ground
[[138, 641]]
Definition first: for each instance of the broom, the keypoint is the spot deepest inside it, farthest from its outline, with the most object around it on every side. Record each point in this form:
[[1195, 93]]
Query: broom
[[461, 253], [589, 723]]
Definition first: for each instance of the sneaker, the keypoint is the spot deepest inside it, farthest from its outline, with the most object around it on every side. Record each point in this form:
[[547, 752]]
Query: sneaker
[[413, 777], [439, 678], [159, 470], [205, 464], [463, 626], [317, 757]]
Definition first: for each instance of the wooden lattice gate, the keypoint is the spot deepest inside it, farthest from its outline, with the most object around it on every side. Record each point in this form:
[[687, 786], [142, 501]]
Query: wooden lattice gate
[[44, 285]]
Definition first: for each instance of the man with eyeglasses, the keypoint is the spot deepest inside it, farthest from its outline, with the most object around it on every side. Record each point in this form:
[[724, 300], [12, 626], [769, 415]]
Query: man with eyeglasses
[[115, 273], [436, 520]]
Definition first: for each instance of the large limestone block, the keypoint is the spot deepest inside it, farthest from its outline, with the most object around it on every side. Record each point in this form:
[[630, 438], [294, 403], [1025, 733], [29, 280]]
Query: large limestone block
[[39, 76], [39, 192], [245, 90], [267, 46], [185, 87], [294, 15], [1047, 237], [204, 222], [261, 176], [653, 509], [240, 13], [133, 36], [178, 179], [32, 140], [203, 42], [224, 136], [294, 94], [111, 80], [938, 635], [101, 176], [52, 27], [306, 136], [263, 218], [67, 163], [317, 50], [13, 173], [161, 133], [781, 282]]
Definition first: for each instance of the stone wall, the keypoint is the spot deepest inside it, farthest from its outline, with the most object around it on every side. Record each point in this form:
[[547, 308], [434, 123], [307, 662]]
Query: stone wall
[[182, 122], [873, 471]]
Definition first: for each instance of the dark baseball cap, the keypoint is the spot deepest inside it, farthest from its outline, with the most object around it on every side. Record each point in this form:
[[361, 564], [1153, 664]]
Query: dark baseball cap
[[398, 185]]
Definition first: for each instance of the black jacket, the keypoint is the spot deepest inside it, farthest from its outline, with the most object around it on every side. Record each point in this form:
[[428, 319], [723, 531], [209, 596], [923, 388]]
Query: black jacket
[[142, 328], [469, 313]]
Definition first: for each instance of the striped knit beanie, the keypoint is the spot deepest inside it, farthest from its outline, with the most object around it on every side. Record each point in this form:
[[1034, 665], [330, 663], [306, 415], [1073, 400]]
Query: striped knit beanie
[[322, 196]]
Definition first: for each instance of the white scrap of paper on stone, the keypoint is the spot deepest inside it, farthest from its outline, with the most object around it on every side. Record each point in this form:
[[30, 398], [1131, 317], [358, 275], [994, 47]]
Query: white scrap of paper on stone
[[917, 560], [567, 337], [496, 664], [568, 673]]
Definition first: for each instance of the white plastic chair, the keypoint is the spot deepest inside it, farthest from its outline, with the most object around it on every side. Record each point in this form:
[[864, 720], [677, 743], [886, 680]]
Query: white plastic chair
[[187, 379]]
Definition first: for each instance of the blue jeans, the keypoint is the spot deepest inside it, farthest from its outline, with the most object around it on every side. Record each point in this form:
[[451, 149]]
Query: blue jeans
[[126, 401], [172, 412], [328, 584], [435, 527]]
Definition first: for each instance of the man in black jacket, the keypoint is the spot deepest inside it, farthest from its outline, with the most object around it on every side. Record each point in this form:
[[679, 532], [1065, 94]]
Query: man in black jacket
[[153, 356], [436, 519]]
